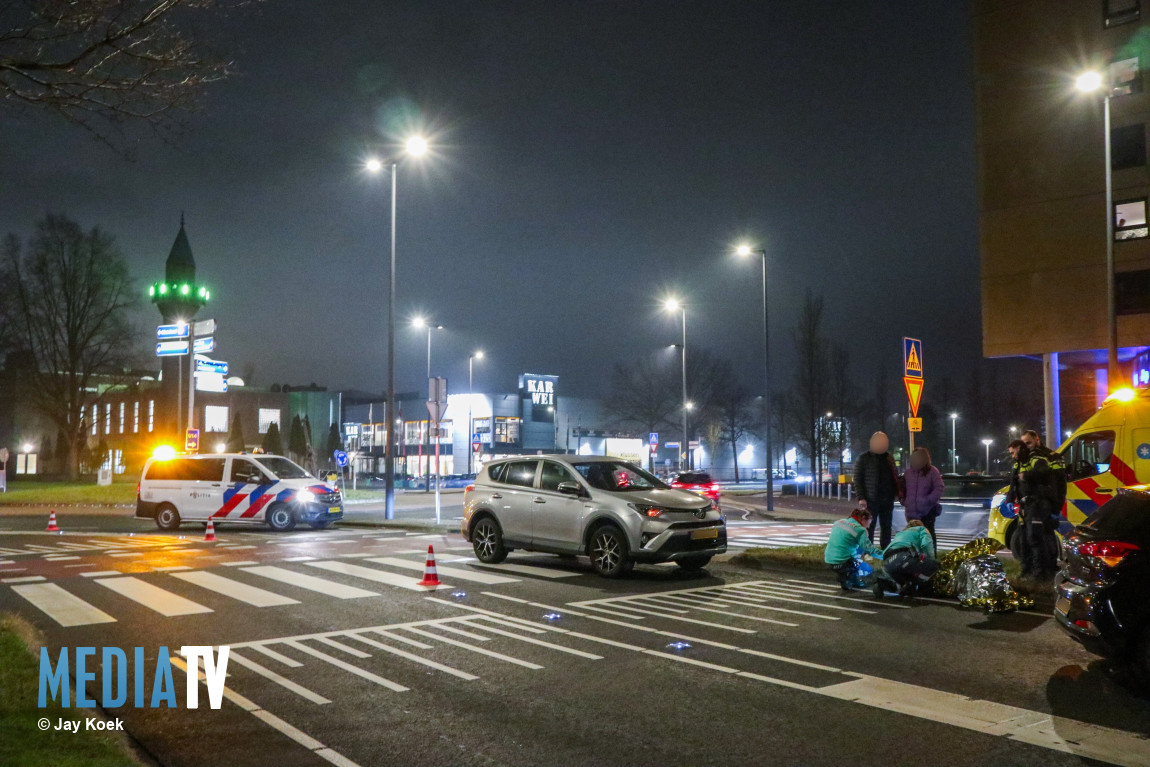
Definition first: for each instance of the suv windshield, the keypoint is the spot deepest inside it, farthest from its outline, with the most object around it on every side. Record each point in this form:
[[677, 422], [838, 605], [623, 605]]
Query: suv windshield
[[281, 467], [617, 476]]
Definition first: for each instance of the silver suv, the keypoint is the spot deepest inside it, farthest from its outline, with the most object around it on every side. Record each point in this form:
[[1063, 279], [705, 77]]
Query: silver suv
[[606, 508]]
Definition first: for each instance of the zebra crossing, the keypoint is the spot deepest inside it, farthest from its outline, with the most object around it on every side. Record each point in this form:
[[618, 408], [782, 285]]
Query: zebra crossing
[[817, 534], [174, 592]]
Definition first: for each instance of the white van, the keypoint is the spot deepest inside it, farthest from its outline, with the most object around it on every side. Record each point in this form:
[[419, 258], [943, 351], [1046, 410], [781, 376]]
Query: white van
[[247, 489]]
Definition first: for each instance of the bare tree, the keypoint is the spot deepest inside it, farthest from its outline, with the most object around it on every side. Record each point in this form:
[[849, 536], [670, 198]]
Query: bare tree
[[736, 416], [642, 396], [64, 302], [102, 63], [809, 394]]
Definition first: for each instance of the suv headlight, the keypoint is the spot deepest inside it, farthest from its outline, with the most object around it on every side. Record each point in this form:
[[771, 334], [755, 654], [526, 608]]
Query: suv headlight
[[647, 509], [305, 496], [997, 500]]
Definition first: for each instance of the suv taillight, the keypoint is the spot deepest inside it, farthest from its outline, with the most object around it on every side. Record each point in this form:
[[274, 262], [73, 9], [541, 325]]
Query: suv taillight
[[1110, 553], [469, 488]]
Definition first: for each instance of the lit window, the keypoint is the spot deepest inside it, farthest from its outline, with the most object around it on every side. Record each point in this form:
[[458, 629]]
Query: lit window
[[1125, 77], [1117, 12], [506, 429], [107, 417], [215, 418], [1130, 219], [95, 418], [151, 414], [136, 417], [413, 432], [122, 417], [268, 416]]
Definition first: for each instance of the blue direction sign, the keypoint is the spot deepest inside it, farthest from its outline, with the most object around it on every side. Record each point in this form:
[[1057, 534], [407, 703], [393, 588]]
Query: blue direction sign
[[166, 332], [340, 459], [205, 365], [912, 357], [204, 345], [171, 348]]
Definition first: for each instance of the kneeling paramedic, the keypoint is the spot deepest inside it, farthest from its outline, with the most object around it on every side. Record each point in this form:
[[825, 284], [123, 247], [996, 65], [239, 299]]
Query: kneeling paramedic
[[909, 559], [848, 541]]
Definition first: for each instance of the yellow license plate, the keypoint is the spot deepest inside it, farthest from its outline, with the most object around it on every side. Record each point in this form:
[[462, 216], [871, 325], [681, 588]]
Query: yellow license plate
[[334, 510], [1062, 605], [710, 532]]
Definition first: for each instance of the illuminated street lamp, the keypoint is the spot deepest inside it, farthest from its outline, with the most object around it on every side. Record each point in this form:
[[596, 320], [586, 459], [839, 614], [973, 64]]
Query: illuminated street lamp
[[745, 251], [673, 304], [26, 447], [988, 443], [1089, 82], [477, 355], [953, 444], [416, 147]]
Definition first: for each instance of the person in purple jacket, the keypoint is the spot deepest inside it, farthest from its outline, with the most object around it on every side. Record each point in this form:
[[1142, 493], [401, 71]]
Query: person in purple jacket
[[923, 491]]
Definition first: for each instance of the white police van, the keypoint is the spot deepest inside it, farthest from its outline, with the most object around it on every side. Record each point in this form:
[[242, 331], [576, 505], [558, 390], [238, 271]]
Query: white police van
[[246, 489]]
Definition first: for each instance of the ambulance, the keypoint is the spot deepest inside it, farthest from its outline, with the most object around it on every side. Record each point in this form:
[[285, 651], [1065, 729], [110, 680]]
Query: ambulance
[[1110, 451], [244, 489]]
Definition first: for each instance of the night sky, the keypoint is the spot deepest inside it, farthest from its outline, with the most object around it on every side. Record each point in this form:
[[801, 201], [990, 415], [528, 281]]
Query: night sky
[[590, 158]]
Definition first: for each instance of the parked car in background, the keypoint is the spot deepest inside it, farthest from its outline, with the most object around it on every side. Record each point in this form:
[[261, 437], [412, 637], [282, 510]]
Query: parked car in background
[[1102, 592], [699, 482]]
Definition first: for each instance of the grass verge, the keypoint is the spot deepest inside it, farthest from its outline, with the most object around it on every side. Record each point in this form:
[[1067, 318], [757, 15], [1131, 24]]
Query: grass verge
[[23, 493], [22, 742]]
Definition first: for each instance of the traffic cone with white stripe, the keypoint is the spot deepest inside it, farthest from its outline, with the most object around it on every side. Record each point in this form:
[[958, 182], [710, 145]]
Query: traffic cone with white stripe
[[430, 578], [52, 522], [210, 533]]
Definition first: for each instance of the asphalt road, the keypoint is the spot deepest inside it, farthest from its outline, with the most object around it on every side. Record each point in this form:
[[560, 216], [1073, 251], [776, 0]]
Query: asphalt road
[[538, 661]]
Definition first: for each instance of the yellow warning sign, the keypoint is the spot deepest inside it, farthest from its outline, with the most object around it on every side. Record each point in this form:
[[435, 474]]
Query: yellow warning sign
[[915, 424]]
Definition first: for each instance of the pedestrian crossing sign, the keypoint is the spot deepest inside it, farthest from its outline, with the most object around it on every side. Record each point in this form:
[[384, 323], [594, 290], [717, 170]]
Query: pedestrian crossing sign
[[912, 357]]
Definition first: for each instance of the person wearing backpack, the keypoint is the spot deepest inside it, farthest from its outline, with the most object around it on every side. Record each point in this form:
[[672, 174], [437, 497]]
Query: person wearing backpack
[[877, 485], [924, 489]]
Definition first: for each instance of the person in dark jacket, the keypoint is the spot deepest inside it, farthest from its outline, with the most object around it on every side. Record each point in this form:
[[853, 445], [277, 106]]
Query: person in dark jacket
[[1033, 489], [876, 483], [1057, 465]]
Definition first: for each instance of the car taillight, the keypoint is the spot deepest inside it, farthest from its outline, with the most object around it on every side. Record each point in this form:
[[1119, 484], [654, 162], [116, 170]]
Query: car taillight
[[469, 488], [677, 485], [137, 488], [714, 487], [1111, 553]]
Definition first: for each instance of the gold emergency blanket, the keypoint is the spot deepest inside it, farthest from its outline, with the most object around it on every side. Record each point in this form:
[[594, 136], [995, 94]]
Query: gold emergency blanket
[[975, 576]]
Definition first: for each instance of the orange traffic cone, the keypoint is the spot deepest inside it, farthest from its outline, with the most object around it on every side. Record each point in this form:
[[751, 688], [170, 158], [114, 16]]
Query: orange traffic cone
[[52, 522], [429, 576], [210, 533]]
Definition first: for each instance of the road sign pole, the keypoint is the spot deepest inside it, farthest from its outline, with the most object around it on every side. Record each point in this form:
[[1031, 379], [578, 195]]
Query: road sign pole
[[191, 375]]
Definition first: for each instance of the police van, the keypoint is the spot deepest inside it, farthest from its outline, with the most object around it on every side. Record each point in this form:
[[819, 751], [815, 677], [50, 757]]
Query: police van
[[244, 489], [1110, 451]]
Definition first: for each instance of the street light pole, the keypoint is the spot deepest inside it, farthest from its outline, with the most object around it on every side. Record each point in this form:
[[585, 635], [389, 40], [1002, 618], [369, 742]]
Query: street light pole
[[1089, 82], [746, 250], [415, 146], [420, 322], [953, 445], [988, 443], [686, 405], [470, 420]]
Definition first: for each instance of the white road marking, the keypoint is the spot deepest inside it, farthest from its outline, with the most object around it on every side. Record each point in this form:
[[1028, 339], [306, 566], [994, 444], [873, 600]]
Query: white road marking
[[298, 559], [343, 648], [59, 558], [728, 600], [241, 563], [348, 667], [540, 642], [512, 567], [24, 579], [127, 554], [100, 574], [372, 574], [310, 582], [153, 597], [171, 568], [61, 606], [414, 658], [251, 595], [472, 648], [730, 614], [403, 639], [272, 676], [276, 656], [461, 632], [450, 572]]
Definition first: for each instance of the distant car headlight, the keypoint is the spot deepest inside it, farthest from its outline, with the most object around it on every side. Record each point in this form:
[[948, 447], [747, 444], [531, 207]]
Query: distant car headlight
[[997, 500], [305, 496]]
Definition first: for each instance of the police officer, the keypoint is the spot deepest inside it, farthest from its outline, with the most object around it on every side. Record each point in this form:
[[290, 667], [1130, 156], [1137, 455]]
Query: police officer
[[1033, 489], [1057, 465]]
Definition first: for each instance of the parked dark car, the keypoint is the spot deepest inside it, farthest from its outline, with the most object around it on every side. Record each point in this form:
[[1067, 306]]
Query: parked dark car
[[1101, 597], [699, 482]]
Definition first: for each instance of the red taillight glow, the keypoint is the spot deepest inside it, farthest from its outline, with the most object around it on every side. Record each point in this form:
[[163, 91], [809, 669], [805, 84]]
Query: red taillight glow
[[1111, 553], [677, 485], [469, 488], [137, 488]]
